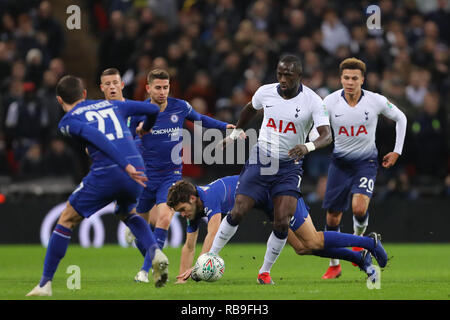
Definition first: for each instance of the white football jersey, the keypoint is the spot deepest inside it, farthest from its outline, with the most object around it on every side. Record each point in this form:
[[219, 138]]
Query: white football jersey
[[354, 128], [287, 122]]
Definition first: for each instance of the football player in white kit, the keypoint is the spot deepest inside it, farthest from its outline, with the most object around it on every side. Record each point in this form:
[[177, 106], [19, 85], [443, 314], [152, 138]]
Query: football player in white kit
[[352, 172], [274, 165]]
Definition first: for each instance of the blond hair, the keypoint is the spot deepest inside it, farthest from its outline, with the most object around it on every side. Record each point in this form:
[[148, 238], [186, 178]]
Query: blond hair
[[352, 64]]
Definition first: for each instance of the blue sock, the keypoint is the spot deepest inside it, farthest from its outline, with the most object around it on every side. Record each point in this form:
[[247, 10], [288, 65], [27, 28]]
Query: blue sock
[[140, 247], [161, 235], [56, 250], [339, 253], [334, 239], [140, 228]]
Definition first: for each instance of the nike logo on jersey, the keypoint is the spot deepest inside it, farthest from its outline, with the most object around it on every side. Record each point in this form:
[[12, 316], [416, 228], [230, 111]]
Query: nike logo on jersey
[[269, 106], [338, 115]]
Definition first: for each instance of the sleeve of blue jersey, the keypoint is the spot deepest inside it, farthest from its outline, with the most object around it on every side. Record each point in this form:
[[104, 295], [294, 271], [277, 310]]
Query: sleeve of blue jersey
[[136, 108], [207, 122]]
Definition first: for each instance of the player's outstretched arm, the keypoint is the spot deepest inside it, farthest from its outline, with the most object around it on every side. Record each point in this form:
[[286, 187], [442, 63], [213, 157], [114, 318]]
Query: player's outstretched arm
[[136, 108], [187, 257], [247, 114], [394, 113], [324, 139], [208, 122]]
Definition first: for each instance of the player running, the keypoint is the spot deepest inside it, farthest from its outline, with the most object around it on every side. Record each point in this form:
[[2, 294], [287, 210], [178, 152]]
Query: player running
[[210, 201], [275, 162], [161, 150], [351, 176], [101, 126]]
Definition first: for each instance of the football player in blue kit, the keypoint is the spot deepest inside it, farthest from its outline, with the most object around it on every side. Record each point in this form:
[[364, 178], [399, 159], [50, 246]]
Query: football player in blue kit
[[161, 150], [115, 174], [211, 201]]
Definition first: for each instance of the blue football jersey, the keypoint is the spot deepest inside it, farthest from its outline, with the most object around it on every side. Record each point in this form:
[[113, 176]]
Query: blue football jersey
[[217, 197], [162, 147], [91, 121]]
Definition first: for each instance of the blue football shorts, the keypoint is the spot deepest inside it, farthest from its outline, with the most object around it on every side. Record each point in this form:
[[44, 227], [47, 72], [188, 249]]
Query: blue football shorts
[[346, 179], [98, 189], [156, 192], [286, 181]]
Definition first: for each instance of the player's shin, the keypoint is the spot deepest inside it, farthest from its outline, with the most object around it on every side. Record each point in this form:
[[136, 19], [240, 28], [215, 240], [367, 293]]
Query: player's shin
[[275, 244], [144, 235], [334, 239], [333, 262], [226, 231], [360, 224], [161, 236], [339, 253], [56, 250]]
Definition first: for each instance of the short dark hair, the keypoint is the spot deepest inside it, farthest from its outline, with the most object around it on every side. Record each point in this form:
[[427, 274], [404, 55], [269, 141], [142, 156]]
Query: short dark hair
[[70, 89], [295, 60], [110, 72], [180, 192], [157, 74], [353, 64]]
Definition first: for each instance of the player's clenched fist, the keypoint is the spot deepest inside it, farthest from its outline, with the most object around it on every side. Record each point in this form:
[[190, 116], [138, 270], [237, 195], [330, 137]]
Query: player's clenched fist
[[390, 159], [298, 151]]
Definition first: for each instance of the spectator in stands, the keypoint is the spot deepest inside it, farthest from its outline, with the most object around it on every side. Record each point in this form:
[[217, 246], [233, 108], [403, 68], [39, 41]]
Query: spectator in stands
[[430, 138]]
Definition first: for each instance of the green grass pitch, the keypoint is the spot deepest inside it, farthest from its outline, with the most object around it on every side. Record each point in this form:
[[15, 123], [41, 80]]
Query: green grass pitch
[[416, 271]]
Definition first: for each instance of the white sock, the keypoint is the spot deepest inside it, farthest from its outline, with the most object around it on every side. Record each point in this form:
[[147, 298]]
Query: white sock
[[334, 262], [274, 247], [224, 234], [358, 227]]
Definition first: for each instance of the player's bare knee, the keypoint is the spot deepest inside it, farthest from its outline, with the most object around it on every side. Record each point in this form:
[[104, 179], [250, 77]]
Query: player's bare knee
[[281, 225], [241, 207], [359, 210], [164, 220], [301, 251], [69, 218]]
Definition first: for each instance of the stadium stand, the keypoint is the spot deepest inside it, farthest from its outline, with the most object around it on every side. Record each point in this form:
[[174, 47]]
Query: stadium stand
[[218, 53]]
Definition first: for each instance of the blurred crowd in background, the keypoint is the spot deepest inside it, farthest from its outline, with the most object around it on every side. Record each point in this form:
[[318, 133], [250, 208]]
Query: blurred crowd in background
[[218, 53]]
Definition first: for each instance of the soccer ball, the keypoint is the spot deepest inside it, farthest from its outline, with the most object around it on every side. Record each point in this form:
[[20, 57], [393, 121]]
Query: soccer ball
[[209, 267]]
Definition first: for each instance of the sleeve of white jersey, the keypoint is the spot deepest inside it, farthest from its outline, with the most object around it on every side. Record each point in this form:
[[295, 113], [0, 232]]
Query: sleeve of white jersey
[[319, 112], [257, 100], [392, 112]]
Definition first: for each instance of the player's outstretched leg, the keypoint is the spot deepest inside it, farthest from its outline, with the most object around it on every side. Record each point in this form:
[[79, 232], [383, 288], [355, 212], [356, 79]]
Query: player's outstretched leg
[[371, 242], [56, 250], [362, 258]]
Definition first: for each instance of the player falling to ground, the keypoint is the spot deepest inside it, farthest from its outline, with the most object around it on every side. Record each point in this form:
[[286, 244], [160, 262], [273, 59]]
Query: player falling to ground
[[161, 150], [100, 125], [217, 198], [275, 162], [352, 172]]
